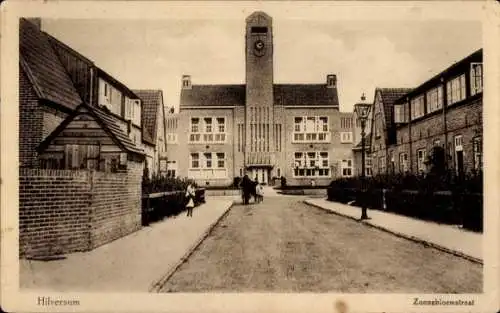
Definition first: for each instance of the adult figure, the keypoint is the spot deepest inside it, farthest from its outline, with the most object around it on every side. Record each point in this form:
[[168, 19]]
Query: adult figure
[[246, 188]]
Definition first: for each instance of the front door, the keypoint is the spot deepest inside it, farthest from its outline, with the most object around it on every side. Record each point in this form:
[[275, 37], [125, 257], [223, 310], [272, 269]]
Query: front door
[[261, 174]]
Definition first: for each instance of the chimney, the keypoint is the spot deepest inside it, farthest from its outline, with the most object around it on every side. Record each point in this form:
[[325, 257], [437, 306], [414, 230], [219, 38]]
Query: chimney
[[186, 82], [331, 81], [35, 21]]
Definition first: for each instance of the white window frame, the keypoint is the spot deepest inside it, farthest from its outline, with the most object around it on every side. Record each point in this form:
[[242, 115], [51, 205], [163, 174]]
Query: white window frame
[[208, 130], [476, 78], [346, 137], [458, 143], [191, 160], [346, 164], [308, 164], [309, 129], [417, 107], [218, 160], [399, 116], [368, 166], [455, 89], [421, 155], [403, 162], [435, 99]]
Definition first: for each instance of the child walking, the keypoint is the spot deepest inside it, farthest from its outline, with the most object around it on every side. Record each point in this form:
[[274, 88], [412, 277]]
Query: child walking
[[259, 190], [190, 192]]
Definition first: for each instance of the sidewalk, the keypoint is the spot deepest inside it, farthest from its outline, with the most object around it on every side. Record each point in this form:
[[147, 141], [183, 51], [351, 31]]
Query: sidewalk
[[130, 264], [443, 237]]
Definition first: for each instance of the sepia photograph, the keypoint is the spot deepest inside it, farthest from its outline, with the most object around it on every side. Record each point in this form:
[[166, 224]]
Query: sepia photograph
[[241, 153]]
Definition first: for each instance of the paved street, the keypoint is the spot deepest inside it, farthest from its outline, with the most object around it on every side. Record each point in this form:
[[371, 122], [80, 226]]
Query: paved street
[[284, 245]]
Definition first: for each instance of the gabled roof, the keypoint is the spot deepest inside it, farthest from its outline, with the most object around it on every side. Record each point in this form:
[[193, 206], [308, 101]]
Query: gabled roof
[[305, 94], [213, 95], [108, 122], [43, 68], [235, 95], [151, 102], [389, 96]]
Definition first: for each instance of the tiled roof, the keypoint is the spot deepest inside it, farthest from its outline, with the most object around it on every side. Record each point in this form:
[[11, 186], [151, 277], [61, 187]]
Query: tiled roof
[[42, 66], [151, 100], [112, 123], [217, 95], [368, 139], [389, 96], [305, 94], [285, 94], [108, 122]]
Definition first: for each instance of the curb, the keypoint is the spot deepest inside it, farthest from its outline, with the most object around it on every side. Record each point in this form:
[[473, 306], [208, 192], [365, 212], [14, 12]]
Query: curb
[[158, 284], [402, 235]]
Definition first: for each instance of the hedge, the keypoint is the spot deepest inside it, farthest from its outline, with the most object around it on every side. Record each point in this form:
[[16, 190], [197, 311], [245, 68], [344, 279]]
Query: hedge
[[165, 196]]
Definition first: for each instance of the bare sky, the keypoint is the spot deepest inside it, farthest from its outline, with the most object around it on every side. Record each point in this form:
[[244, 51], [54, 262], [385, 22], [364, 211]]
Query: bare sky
[[363, 53]]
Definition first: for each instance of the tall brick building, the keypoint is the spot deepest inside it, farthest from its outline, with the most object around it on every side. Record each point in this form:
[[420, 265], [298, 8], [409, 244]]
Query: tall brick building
[[261, 128], [444, 111]]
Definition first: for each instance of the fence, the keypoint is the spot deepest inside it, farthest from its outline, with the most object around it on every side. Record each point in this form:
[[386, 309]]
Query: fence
[[442, 206]]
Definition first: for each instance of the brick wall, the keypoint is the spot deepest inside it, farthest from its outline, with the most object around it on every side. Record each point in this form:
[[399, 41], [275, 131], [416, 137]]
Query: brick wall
[[63, 211], [464, 120], [116, 209], [30, 122], [53, 211]]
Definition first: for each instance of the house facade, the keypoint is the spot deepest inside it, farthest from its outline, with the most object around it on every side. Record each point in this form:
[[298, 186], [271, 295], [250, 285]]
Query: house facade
[[261, 128], [153, 128], [55, 79], [445, 111]]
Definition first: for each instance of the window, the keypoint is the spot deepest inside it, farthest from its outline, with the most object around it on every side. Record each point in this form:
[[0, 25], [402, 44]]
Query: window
[[437, 143], [310, 129], [435, 99], [298, 159], [399, 116], [324, 159], [278, 172], [297, 124], [220, 160], [346, 166], [417, 107], [368, 166], [346, 137], [421, 160], [381, 164], [208, 124], [195, 160], [221, 125], [324, 123], [208, 160], [478, 153], [311, 159], [458, 143], [195, 125], [455, 89], [476, 78], [346, 122]]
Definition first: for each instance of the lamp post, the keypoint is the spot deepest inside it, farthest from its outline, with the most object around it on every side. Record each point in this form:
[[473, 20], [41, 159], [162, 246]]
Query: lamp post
[[362, 111]]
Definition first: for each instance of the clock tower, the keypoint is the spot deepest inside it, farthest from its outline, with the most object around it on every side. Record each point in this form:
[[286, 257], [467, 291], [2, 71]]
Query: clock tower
[[259, 145]]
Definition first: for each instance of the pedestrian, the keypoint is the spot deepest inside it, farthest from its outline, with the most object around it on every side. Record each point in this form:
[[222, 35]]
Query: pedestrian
[[246, 188], [190, 193], [259, 193]]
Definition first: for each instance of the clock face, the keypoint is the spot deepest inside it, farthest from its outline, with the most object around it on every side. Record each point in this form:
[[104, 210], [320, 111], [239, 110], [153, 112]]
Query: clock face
[[259, 45], [259, 48]]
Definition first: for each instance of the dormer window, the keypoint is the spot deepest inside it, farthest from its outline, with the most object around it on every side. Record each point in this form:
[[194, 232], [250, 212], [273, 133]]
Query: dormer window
[[331, 81]]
